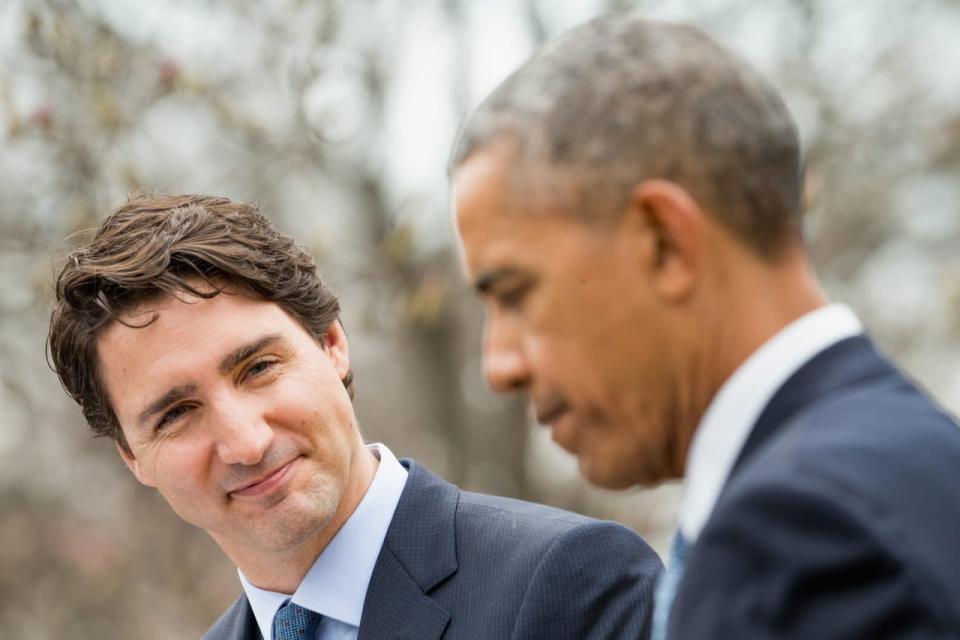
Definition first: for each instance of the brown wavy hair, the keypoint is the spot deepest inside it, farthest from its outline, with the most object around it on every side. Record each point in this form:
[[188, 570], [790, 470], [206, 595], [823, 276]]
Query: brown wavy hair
[[157, 245]]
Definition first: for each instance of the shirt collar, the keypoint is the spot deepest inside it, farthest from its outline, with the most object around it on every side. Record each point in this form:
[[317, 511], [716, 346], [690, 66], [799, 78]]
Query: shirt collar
[[730, 417], [336, 584]]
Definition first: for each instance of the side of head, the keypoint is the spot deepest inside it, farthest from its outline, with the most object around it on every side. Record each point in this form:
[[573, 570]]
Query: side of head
[[620, 100], [157, 246], [604, 192]]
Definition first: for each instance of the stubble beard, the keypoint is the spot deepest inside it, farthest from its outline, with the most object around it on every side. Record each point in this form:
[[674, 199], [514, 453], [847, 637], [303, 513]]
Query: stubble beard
[[296, 518]]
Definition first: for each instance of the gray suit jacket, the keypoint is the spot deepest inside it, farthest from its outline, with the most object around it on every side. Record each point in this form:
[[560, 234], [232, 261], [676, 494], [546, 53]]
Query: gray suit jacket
[[463, 565]]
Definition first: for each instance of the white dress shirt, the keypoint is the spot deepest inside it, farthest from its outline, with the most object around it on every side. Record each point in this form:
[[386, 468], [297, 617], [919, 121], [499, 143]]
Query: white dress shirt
[[336, 584], [730, 417]]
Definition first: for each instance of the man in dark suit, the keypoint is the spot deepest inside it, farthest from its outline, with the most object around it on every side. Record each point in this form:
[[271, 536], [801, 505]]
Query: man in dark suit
[[629, 209], [204, 343], [463, 565]]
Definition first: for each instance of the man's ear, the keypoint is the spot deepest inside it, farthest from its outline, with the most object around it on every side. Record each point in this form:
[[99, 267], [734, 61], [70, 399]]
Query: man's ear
[[672, 224], [335, 344], [134, 465]]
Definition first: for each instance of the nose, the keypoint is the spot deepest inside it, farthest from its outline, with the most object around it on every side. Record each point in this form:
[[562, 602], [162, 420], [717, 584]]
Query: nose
[[242, 434], [504, 362]]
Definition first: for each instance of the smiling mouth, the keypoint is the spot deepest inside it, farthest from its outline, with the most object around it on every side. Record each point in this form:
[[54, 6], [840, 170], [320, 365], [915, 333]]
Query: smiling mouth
[[265, 484]]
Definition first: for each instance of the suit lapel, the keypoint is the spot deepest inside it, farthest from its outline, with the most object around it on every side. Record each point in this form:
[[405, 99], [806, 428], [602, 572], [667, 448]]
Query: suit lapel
[[396, 608], [418, 553], [237, 623], [247, 627], [847, 363]]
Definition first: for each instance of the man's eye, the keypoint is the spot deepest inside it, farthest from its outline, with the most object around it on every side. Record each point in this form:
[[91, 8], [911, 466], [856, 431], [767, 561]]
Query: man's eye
[[260, 367], [511, 298], [172, 416]]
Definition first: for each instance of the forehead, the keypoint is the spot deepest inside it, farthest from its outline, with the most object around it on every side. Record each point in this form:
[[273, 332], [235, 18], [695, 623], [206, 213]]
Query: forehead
[[184, 341], [504, 217], [184, 318]]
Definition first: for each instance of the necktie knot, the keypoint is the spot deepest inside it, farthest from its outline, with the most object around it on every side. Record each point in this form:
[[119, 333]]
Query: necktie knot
[[293, 622]]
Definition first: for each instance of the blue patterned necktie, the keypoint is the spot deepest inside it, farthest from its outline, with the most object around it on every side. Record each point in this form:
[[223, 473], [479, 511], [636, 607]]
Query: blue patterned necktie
[[293, 622], [667, 587]]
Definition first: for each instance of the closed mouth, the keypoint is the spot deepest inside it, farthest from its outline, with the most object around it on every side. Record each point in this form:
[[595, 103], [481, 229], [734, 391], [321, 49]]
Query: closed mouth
[[264, 483], [548, 415]]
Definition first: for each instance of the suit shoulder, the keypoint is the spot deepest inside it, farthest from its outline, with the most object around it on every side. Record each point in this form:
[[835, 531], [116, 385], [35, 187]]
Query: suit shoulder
[[534, 522], [595, 580], [518, 513], [881, 444], [887, 417], [571, 576], [533, 529]]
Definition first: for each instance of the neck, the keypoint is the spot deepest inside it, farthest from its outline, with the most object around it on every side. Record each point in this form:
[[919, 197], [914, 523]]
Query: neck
[[283, 570], [749, 303]]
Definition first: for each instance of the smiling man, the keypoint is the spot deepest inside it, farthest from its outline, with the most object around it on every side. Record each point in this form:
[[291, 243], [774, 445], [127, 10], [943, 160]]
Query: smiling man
[[235, 380], [628, 204], [203, 342]]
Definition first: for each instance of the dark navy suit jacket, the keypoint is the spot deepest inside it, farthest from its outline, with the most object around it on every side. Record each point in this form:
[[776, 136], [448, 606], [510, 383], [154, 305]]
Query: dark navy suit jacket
[[841, 518], [462, 565]]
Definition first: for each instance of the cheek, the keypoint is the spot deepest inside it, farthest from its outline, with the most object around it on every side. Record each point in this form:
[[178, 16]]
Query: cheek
[[555, 355], [584, 374], [311, 386], [319, 413], [177, 466]]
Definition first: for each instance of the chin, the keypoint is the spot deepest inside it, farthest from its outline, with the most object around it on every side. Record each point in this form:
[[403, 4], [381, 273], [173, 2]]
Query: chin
[[292, 530], [604, 475], [300, 516]]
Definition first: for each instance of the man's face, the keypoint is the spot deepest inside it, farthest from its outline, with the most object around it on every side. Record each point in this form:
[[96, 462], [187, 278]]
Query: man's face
[[572, 320], [235, 414]]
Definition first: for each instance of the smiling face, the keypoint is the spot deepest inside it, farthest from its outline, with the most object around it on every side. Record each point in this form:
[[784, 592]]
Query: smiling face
[[237, 416], [572, 318]]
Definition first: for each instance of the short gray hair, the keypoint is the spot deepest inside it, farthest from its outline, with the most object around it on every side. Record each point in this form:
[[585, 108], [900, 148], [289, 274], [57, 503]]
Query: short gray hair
[[621, 99]]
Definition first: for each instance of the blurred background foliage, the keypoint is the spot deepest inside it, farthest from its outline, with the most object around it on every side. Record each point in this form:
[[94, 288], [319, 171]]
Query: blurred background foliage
[[337, 117]]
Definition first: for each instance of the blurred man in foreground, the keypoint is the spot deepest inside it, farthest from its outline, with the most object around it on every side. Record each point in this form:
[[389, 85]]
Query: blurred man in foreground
[[204, 343], [628, 204]]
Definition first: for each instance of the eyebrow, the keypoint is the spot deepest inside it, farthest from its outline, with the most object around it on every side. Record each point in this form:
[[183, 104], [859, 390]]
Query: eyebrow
[[164, 401], [241, 353], [227, 364], [486, 282]]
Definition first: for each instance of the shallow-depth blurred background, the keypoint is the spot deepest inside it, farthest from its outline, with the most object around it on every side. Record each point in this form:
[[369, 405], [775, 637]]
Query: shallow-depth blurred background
[[337, 117]]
